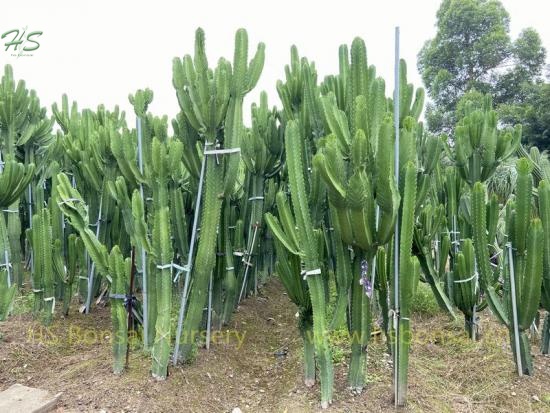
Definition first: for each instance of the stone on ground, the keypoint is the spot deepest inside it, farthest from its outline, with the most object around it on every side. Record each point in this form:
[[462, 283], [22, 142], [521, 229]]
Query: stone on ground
[[23, 399]]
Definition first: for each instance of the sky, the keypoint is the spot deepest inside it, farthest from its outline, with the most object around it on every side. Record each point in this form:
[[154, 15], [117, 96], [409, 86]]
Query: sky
[[100, 51]]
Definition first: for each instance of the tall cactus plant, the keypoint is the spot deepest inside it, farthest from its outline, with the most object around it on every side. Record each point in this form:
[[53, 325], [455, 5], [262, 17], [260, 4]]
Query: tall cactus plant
[[24, 130], [523, 271], [211, 101], [114, 267], [306, 236], [544, 211], [14, 179], [262, 148]]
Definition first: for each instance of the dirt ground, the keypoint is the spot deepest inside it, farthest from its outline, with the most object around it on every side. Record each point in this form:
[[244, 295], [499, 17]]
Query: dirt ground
[[448, 373]]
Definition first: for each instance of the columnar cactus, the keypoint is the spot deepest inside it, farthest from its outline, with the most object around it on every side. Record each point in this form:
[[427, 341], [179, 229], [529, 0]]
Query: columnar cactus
[[43, 276], [24, 131], [525, 234], [303, 240], [14, 179], [262, 148], [544, 211], [119, 269], [114, 267], [211, 101], [479, 146]]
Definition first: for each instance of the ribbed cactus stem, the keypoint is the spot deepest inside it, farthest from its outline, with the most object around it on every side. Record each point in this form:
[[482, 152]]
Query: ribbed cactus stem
[[360, 323], [119, 269], [409, 271], [7, 288], [515, 323], [308, 242], [306, 331], [544, 211], [143, 253], [206, 256]]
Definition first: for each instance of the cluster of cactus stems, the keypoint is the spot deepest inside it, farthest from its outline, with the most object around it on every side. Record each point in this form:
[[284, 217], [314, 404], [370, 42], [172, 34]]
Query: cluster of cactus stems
[[315, 184], [211, 102]]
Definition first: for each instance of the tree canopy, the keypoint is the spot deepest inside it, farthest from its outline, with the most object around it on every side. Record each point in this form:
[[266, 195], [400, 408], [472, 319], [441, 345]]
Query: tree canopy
[[473, 51]]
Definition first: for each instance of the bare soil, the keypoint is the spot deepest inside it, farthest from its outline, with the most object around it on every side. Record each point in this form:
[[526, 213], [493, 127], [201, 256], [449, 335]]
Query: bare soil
[[448, 372]]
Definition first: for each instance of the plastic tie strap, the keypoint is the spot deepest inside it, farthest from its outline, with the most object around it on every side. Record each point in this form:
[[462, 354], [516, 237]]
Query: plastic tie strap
[[226, 151], [305, 273], [465, 280], [128, 299], [256, 198], [52, 299], [11, 211]]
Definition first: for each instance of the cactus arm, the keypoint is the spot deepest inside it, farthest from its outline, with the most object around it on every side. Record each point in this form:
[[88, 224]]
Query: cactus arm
[[482, 252], [275, 228], [532, 276]]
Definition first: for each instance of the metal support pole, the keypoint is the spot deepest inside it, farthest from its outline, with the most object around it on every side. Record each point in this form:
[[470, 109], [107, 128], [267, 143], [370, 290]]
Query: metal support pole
[[514, 308], [396, 113], [247, 263], [189, 263], [142, 252]]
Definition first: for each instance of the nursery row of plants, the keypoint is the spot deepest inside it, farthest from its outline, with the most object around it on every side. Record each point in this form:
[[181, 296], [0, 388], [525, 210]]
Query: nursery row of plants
[[338, 189]]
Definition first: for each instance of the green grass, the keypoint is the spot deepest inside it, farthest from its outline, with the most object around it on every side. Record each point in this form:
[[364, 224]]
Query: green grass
[[23, 303], [424, 302]]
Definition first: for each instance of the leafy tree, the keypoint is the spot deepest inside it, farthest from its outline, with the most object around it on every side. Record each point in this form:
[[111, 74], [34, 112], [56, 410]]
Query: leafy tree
[[533, 113], [472, 50]]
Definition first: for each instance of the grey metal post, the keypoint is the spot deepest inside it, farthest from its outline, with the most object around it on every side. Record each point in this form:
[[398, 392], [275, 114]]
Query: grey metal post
[[396, 235], [143, 253], [514, 308], [189, 263]]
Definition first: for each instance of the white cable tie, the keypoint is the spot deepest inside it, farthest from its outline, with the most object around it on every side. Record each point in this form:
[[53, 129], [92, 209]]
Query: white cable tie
[[316, 271], [238, 253], [465, 280], [35, 290], [6, 265], [179, 270], [52, 299], [226, 151], [496, 254], [394, 314], [256, 198], [248, 263], [11, 210], [229, 268]]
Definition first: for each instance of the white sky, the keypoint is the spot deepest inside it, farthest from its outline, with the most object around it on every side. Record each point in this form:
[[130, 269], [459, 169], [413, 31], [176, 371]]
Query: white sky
[[100, 51]]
